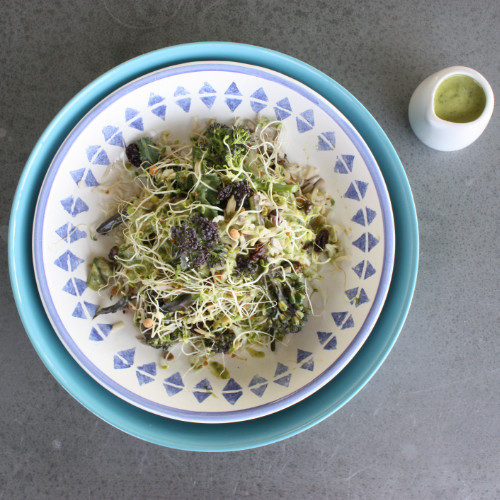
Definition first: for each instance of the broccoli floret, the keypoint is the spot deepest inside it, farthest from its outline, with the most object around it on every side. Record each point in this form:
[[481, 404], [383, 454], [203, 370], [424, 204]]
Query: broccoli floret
[[245, 265], [184, 238], [207, 230], [220, 134], [217, 134], [221, 343], [239, 189], [222, 142], [248, 264], [290, 313], [196, 243], [163, 341]]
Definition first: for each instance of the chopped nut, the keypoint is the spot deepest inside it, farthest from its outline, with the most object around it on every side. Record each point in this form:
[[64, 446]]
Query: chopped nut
[[234, 233]]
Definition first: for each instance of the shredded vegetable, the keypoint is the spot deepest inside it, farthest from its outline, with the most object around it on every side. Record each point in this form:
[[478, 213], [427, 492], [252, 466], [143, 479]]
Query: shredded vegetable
[[218, 241]]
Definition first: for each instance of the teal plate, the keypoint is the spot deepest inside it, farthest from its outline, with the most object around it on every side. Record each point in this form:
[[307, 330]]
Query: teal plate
[[212, 437]]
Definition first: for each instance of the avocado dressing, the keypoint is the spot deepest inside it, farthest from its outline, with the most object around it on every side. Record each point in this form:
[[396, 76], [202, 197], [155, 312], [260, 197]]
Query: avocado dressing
[[459, 99]]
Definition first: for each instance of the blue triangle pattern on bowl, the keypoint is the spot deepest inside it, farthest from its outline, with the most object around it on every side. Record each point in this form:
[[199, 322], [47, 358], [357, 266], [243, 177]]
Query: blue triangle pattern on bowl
[[233, 90], [160, 111], [207, 89], [260, 95], [208, 101], [308, 365], [284, 381], [68, 261], [154, 99]]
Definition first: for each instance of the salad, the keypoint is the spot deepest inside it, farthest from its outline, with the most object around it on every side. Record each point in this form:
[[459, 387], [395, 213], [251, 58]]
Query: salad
[[216, 242]]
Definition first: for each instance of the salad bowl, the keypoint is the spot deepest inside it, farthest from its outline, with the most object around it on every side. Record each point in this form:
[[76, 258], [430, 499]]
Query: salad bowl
[[71, 202]]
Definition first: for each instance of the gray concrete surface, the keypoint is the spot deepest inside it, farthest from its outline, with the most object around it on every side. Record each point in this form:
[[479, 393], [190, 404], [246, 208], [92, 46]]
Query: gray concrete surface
[[427, 425]]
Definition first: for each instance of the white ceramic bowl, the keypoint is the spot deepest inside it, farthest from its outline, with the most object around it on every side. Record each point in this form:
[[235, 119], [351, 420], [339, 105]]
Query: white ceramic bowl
[[441, 134], [170, 99]]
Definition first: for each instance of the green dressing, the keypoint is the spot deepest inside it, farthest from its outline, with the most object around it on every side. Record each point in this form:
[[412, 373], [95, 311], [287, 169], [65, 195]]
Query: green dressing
[[459, 99], [218, 370], [255, 353]]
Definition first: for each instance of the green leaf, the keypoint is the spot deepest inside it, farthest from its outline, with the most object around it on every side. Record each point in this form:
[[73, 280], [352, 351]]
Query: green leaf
[[208, 195], [150, 154]]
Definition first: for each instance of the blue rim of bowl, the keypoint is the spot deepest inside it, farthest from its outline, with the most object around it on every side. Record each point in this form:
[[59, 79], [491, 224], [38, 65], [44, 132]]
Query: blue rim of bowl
[[229, 436], [289, 399]]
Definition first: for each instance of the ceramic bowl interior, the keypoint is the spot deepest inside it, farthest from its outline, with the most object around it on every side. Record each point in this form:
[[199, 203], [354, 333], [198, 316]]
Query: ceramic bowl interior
[[172, 99]]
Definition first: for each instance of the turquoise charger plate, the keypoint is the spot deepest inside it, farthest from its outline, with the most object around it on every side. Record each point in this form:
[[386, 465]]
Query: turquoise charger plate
[[206, 437]]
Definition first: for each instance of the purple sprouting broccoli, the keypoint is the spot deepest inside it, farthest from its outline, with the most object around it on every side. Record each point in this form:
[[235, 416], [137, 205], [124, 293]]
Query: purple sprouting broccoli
[[221, 343], [196, 243], [185, 238], [241, 191], [245, 265], [207, 230], [248, 264]]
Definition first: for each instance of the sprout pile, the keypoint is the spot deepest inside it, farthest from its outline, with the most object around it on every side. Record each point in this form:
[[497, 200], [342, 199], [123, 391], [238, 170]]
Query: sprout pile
[[218, 241]]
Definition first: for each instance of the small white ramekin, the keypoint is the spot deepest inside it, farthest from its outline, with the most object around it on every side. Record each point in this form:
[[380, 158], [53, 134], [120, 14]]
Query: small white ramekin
[[441, 134]]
